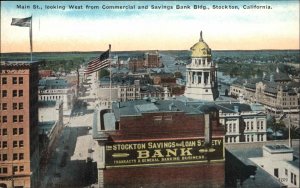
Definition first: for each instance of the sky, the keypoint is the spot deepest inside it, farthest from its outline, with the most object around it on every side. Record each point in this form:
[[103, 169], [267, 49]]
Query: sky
[[150, 29]]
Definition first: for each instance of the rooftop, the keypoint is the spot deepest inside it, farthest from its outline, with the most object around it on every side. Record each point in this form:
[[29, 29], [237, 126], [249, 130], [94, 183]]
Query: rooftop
[[16, 63], [278, 148], [137, 107]]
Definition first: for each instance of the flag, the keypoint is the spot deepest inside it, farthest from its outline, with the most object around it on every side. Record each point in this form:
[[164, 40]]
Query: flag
[[24, 22], [98, 63]]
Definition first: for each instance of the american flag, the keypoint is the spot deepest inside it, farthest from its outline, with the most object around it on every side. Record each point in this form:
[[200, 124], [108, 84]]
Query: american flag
[[98, 63]]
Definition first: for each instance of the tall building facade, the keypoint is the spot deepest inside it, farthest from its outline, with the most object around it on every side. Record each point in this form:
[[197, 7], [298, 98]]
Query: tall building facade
[[18, 124], [201, 74]]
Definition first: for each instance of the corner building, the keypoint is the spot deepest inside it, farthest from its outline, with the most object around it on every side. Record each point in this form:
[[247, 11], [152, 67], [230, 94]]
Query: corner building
[[164, 143], [201, 74], [19, 161]]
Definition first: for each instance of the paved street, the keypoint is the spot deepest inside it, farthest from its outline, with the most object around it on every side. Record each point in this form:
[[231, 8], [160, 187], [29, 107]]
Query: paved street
[[68, 165]]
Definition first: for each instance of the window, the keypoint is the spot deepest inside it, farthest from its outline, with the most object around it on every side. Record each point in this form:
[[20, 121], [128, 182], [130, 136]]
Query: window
[[21, 131], [15, 156], [276, 172], [20, 93], [21, 143], [21, 119], [251, 125], [15, 168], [21, 156], [15, 93], [15, 119], [4, 106], [286, 172], [4, 93], [21, 168], [4, 119], [4, 144], [21, 106], [4, 131], [20, 80], [4, 80], [168, 118], [15, 106], [15, 144], [15, 131], [4, 170], [14, 80]]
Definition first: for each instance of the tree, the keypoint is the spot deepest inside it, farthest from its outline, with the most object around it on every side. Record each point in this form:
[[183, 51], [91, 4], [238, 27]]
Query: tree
[[103, 73]]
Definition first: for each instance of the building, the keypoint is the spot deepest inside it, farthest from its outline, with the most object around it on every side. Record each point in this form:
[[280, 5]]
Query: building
[[242, 123], [135, 64], [201, 74], [159, 143], [50, 128], [152, 60], [278, 94], [19, 152], [128, 88], [163, 79], [56, 89], [278, 161], [262, 164]]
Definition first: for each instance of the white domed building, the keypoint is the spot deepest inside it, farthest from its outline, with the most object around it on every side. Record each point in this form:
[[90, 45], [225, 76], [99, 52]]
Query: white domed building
[[201, 74]]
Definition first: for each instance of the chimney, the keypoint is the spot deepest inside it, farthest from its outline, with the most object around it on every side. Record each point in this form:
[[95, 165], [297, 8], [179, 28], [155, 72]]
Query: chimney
[[207, 131], [236, 109]]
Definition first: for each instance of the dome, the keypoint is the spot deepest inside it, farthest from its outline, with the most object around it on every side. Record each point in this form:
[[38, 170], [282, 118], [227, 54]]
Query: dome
[[201, 49]]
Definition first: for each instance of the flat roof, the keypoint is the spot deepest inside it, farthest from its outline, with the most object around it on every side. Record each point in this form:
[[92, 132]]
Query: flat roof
[[278, 148], [261, 177], [16, 63], [137, 107]]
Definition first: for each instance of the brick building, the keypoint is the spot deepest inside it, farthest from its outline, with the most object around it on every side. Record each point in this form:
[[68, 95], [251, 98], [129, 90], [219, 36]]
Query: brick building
[[164, 143], [152, 60], [18, 124]]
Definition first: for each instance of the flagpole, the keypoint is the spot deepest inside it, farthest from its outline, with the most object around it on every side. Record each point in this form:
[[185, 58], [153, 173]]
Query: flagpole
[[110, 76], [30, 36]]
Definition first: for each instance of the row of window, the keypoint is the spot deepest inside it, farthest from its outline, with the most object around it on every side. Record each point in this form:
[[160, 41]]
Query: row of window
[[15, 119], [15, 106], [293, 176], [259, 137], [16, 131], [15, 169], [15, 80], [15, 93], [260, 125], [16, 156], [47, 97], [160, 118], [16, 144]]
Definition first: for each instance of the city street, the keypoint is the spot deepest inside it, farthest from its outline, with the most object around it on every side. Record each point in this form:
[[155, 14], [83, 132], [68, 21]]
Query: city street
[[69, 165]]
